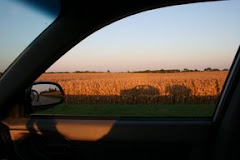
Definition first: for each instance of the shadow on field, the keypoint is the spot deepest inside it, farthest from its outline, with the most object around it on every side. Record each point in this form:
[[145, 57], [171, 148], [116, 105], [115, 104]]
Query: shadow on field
[[179, 90], [145, 94], [141, 90]]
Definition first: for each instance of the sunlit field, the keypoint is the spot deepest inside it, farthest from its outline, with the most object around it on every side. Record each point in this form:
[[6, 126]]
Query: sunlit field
[[138, 94]]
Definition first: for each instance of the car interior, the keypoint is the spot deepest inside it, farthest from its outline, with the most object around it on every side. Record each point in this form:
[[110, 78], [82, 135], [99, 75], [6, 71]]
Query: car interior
[[25, 136]]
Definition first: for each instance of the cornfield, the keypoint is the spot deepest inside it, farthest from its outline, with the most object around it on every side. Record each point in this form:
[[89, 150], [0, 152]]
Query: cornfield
[[138, 88]]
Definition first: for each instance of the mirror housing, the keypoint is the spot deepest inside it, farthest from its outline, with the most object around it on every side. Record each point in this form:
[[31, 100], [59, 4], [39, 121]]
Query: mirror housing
[[44, 95]]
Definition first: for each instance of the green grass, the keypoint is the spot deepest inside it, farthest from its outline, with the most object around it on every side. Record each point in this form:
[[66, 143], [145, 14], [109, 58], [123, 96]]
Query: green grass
[[126, 110]]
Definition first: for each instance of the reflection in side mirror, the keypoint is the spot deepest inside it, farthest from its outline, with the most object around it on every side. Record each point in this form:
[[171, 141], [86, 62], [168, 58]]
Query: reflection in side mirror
[[45, 93]]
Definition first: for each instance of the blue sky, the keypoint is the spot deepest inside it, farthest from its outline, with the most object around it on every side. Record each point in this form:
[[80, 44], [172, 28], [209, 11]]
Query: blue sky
[[193, 36], [20, 24]]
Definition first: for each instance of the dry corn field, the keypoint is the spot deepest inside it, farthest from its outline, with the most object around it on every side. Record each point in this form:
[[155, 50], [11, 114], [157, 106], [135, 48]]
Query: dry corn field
[[138, 88]]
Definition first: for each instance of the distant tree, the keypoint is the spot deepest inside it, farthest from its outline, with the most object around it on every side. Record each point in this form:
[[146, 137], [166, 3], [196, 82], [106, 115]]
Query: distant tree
[[86, 72], [108, 71], [225, 69], [185, 70], [189, 70], [208, 69], [158, 71], [215, 69]]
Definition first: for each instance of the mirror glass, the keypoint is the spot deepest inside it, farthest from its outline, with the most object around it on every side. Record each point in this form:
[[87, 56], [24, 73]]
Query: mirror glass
[[45, 94]]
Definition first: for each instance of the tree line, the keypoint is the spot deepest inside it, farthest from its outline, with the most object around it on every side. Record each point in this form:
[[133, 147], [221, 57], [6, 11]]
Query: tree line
[[178, 70], [152, 71]]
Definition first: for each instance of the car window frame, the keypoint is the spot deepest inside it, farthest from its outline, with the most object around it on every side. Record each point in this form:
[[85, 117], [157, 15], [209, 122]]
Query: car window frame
[[218, 111], [76, 41]]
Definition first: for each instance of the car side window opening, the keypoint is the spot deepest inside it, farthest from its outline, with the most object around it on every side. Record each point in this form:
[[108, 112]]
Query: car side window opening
[[167, 62]]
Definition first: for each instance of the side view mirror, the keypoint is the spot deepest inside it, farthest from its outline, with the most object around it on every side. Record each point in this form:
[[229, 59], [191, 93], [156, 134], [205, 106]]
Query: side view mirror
[[45, 94]]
